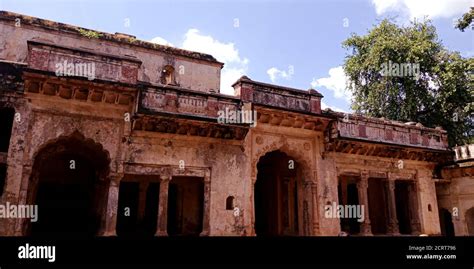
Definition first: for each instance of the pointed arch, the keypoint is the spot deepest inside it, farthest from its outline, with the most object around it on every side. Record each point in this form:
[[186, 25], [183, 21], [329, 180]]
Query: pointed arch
[[72, 169]]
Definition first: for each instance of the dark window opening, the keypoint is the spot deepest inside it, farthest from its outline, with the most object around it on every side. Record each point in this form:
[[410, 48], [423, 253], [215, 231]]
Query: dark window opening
[[6, 119], [3, 177], [167, 75], [437, 172], [229, 203]]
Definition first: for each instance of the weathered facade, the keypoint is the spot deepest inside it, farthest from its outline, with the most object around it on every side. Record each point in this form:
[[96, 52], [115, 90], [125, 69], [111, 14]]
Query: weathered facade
[[110, 135], [455, 192]]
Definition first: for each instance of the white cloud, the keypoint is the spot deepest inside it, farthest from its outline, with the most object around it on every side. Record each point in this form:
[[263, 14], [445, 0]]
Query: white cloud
[[336, 82], [161, 41], [382, 6], [274, 74], [234, 65], [225, 52], [229, 76], [324, 106], [419, 8]]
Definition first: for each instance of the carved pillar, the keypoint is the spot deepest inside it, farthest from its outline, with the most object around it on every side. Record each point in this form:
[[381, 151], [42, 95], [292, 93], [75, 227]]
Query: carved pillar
[[308, 218], [413, 205], [163, 206], [143, 186], [252, 202], [362, 186], [314, 195], [27, 195], [110, 221], [207, 206], [392, 208]]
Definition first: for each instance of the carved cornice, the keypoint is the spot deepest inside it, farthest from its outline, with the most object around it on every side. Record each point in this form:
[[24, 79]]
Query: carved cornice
[[388, 151], [291, 119], [353, 127], [167, 171], [77, 89], [189, 127], [366, 174], [155, 100], [56, 58]]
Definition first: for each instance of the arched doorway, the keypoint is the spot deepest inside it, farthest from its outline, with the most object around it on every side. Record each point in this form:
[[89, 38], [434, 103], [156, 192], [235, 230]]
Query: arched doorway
[[470, 221], [69, 185], [277, 189], [446, 222]]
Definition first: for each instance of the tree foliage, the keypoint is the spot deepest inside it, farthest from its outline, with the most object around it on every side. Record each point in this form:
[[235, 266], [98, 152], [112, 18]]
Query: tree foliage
[[466, 20], [436, 89]]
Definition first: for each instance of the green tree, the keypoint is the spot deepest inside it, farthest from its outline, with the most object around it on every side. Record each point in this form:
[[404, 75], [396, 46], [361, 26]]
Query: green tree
[[466, 20], [462, 24], [405, 74]]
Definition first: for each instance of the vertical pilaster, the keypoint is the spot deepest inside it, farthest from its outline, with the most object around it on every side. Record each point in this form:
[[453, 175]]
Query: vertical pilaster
[[392, 208], [413, 205], [252, 202], [207, 206], [110, 224], [163, 206], [314, 196], [143, 187], [308, 212], [362, 187]]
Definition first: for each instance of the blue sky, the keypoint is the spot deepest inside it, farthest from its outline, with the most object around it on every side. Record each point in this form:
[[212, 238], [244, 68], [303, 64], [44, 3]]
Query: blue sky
[[292, 43]]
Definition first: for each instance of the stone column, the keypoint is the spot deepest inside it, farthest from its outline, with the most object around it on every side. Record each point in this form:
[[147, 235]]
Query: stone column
[[413, 205], [252, 202], [163, 206], [19, 169], [28, 189], [392, 208], [207, 206], [143, 186], [308, 211], [362, 187], [314, 195], [112, 206]]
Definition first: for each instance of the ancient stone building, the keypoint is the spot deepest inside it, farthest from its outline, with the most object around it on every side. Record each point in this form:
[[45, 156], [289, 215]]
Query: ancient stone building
[[455, 192], [110, 135]]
